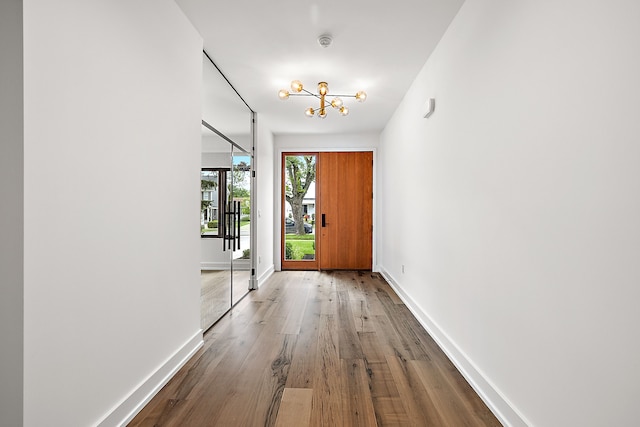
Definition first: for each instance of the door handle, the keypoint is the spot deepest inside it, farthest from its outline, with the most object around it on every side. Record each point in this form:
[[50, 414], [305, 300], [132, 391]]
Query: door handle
[[237, 236], [222, 223], [324, 223]]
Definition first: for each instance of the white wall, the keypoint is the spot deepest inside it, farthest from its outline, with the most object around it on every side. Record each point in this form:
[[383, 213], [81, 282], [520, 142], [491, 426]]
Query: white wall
[[515, 208], [325, 142], [11, 213], [112, 304], [265, 200]]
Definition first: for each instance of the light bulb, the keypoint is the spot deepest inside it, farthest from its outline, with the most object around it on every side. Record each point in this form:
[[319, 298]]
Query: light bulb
[[361, 96], [283, 94], [344, 110], [323, 88], [336, 102], [296, 86], [309, 112], [322, 114]]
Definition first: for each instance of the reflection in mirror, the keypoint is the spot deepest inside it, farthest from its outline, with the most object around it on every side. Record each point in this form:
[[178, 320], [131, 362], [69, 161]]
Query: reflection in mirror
[[227, 144], [241, 195], [215, 273], [213, 193], [223, 109]]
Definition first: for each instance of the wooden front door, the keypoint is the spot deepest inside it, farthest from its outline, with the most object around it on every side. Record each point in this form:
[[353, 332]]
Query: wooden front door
[[345, 218], [335, 205]]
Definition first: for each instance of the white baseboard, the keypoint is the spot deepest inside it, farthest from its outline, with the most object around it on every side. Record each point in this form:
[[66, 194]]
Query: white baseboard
[[238, 264], [242, 264], [141, 395], [265, 276], [506, 413], [215, 266]]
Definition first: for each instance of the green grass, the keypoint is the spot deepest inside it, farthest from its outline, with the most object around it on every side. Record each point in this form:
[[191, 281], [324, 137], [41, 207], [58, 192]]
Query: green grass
[[299, 237], [205, 229], [300, 245], [305, 246]]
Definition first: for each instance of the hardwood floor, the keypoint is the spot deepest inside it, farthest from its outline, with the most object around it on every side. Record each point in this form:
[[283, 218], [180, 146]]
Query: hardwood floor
[[318, 349], [216, 294]]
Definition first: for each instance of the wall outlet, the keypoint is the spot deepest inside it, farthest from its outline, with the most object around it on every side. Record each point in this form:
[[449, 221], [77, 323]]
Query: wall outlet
[[259, 259], [402, 268]]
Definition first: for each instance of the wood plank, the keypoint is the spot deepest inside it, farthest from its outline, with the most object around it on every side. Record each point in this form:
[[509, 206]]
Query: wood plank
[[301, 371], [208, 397], [296, 312], [359, 294], [349, 343], [372, 349], [198, 374], [215, 295], [256, 394], [399, 378], [383, 286], [390, 342], [387, 402], [358, 407], [417, 402], [451, 409], [326, 408], [327, 293], [407, 336], [362, 318], [295, 408], [464, 392]]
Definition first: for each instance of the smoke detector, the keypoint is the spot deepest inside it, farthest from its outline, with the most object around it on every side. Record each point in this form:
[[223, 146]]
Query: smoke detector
[[325, 40]]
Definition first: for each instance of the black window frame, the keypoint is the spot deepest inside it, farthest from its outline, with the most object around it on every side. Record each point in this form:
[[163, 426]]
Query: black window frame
[[222, 198]]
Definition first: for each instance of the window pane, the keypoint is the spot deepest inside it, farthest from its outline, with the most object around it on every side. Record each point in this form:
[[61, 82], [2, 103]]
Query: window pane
[[209, 184], [299, 208]]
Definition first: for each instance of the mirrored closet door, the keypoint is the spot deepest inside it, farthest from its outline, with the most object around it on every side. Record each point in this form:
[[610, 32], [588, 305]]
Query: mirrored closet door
[[226, 185]]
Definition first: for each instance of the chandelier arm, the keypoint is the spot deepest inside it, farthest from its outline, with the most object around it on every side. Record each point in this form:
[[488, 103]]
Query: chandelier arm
[[301, 94], [313, 94], [305, 94]]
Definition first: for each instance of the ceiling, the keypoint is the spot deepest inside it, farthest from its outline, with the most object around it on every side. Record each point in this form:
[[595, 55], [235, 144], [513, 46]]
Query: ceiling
[[378, 47]]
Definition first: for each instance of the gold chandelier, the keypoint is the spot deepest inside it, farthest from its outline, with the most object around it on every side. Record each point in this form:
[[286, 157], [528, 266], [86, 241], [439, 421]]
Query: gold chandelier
[[323, 90]]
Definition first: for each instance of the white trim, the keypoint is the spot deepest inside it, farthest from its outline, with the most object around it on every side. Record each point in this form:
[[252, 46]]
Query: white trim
[[253, 200], [124, 412], [238, 264], [265, 276], [506, 413], [215, 265], [242, 264]]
